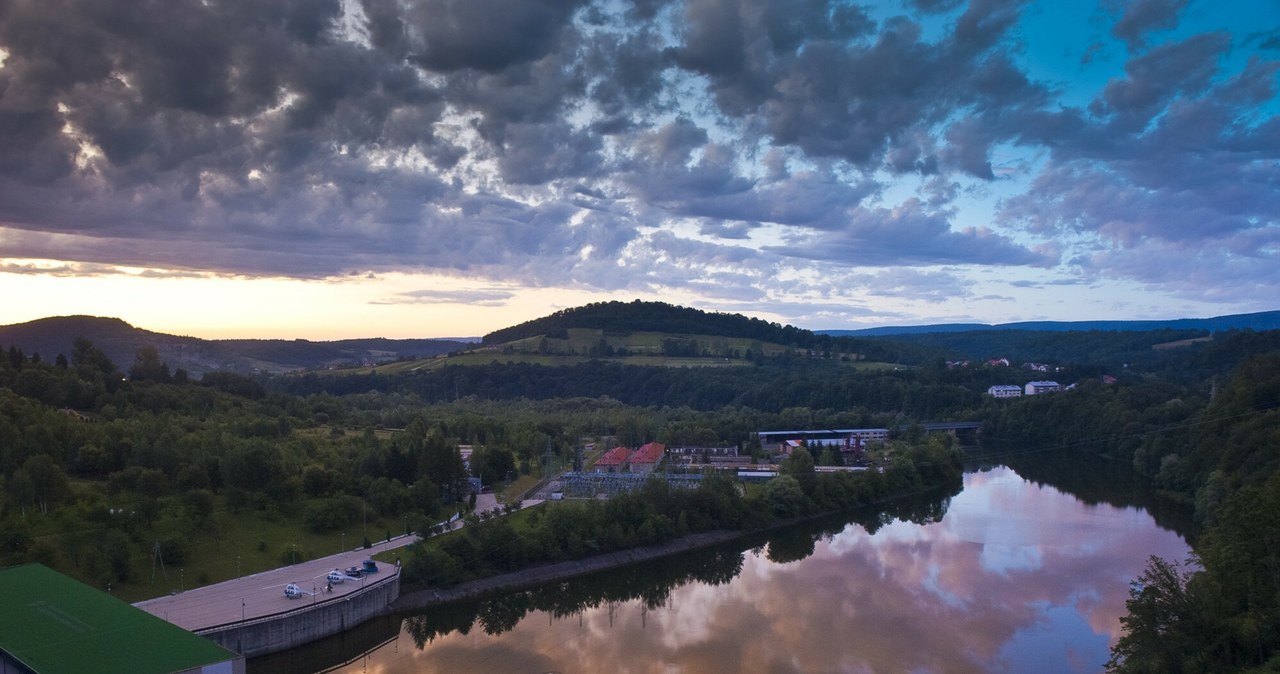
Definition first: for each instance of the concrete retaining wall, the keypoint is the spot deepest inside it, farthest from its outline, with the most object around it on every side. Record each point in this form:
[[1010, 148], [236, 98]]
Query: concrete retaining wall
[[290, 629]]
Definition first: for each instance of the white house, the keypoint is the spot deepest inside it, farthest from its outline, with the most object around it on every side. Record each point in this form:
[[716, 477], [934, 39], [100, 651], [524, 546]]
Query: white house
[[1036, 387], [1005, 391]]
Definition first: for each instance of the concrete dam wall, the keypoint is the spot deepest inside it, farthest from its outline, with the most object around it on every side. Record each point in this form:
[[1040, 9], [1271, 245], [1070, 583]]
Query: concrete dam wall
[[289, 629]]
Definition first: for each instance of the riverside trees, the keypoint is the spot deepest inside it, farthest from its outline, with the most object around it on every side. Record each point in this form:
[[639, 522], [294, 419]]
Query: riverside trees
[[1210, 444], [658, 513]]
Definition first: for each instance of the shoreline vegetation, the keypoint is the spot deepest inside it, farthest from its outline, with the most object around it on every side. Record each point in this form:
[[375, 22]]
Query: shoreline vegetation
[[535, 576], [570, 538], [901, 506]]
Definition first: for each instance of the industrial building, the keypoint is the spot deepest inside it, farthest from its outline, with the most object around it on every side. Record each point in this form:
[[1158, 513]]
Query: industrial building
[[54, 624], [844, 439]]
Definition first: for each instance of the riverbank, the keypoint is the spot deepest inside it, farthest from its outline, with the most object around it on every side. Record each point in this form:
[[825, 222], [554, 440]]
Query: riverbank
[[548, 573], [534, 576]]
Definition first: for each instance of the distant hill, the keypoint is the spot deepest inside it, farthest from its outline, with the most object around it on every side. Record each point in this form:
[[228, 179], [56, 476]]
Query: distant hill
[[1264, 320], [121, 341], [648, 329], [638, 316]]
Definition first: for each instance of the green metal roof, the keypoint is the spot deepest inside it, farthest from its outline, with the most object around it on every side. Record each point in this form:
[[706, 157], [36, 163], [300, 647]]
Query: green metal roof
[[51, 624]]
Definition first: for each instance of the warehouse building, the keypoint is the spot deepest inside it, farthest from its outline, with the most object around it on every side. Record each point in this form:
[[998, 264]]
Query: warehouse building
[[53, 624]]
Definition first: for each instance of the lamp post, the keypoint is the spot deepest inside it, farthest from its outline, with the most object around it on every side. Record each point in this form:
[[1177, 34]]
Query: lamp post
[[344, 542]]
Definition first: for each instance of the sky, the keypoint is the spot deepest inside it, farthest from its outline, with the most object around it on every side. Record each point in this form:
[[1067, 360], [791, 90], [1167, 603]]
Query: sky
[[329, 169]]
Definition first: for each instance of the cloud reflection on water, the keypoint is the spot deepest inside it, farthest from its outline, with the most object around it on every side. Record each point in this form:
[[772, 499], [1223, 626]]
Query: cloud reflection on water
[[1017, 577]]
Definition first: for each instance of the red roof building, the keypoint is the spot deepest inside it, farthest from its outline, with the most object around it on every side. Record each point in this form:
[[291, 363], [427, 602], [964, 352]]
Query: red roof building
[[647, 457], [613, 460]]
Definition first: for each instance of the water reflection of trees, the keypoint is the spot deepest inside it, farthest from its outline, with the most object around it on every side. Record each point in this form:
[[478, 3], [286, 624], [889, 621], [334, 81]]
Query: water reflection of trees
[[652, 584], [1095, 479], [649, 584]]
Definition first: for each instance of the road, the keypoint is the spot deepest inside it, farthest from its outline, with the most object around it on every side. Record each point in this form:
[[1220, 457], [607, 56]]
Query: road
[[262, 594]]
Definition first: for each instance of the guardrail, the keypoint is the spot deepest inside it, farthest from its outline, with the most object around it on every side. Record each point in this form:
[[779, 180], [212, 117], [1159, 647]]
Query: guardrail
[[299, 610]]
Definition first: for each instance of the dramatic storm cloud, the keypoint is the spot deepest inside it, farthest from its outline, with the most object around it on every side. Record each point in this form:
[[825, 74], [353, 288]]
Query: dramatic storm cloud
[[756, 154]]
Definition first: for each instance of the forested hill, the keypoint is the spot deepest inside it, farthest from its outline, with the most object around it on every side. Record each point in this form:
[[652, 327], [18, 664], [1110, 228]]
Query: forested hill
[[120, 341], [636, 316], [1263, 320]]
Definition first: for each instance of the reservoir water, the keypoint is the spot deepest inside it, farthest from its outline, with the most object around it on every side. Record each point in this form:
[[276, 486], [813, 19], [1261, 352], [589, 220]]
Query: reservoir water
[[1008, 575]]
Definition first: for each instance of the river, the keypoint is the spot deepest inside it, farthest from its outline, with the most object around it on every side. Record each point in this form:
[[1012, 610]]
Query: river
[[1008, 575]]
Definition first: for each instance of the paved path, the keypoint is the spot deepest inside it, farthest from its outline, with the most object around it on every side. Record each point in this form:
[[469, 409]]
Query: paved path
[[261, 594]]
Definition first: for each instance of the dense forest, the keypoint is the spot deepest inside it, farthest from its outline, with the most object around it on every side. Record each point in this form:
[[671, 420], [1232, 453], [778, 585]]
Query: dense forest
[[1110, 349], [117, 473]]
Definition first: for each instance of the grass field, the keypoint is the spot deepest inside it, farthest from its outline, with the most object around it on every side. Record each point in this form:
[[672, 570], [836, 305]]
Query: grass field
[[1180, 343], [243, 543], [582, 344], [551, 360]]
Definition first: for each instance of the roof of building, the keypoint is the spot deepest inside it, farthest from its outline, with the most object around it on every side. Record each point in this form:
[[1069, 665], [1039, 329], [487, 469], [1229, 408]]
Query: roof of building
[[614, 457], [51, 623], [649, 453], [831, 431]]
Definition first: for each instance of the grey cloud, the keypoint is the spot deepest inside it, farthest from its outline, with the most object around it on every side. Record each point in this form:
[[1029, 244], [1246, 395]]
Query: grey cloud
[[880, 237], [725, 230], [628, 79], [873, 101], [1155, 77], [484, 298], [665, 173], [1211, 274], [929, 286], [1169, 182], [541, 142], [1159, 182], [487, 35], [1140, 17], [536, 154], [742, 45], [935, 6], [673, 144]]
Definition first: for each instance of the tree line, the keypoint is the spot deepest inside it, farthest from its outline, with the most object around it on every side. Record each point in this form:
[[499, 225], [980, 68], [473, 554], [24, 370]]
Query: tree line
[[1211, 444], [658, 512]]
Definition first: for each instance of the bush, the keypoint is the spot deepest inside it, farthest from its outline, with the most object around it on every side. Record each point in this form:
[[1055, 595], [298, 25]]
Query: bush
[[292, 555], [328, 514]]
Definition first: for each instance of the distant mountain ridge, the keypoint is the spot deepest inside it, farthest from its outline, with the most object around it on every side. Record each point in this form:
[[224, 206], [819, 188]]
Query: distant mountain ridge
[[121, 341], [1264, 320]]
